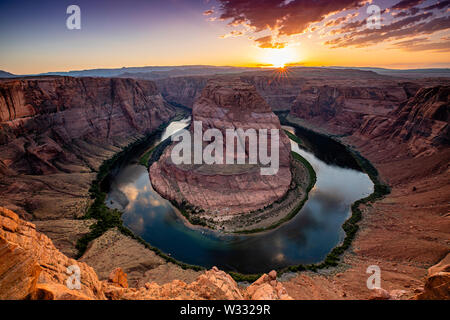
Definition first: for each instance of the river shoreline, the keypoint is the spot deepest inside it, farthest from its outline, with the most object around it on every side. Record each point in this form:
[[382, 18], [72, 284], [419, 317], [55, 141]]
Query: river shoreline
[[304, 182], [311, 178]]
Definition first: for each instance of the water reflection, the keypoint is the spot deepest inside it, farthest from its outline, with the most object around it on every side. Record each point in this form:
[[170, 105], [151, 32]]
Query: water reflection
[[307, 238]]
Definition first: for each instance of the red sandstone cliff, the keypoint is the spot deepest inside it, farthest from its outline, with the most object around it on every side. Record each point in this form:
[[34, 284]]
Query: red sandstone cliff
[[407, 231], [277, 90], [281, 88], [214, 188], [182, 90], [344, 106], [404, 233], [63, 125], [39, 117], [32, 268], [421, 122]]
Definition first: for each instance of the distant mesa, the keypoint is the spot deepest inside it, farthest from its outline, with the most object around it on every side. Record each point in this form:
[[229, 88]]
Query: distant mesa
[[4, 74]]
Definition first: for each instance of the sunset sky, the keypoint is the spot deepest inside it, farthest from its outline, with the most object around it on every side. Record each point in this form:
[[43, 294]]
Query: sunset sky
[[34, 37]]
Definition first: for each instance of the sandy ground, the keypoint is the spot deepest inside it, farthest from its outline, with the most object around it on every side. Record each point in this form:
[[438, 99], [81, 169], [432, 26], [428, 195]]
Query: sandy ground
[[141, 265]]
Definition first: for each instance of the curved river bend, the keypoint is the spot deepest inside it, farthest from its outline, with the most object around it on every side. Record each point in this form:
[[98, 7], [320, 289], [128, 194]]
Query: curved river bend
[[307, 238]]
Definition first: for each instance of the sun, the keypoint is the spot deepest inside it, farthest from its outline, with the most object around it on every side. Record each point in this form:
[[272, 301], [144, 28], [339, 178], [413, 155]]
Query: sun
[[279, 58]]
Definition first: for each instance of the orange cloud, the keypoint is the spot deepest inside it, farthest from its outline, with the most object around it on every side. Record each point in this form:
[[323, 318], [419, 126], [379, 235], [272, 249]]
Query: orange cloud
[[269, 42]]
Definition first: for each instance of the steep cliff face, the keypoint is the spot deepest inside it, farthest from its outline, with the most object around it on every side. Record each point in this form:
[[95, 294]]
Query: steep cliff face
[[39, 117], [343, 107], [409, 147], [407, 230], [56, 131], [31, 265], [278, 91], [32, 268], [182, 90], [421, 123], [226, 188], [315, 94]]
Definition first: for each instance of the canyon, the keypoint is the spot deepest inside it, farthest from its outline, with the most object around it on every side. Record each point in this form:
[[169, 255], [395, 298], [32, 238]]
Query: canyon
[[55, 134], [56, 131], [281, 88], [407, 231]]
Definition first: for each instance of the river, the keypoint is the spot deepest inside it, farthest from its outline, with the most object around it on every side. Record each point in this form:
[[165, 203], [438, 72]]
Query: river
[[307, 238]]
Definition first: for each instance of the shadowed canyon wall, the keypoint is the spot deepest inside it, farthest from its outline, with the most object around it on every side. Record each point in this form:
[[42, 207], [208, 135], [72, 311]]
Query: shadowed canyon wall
[[56, 131]]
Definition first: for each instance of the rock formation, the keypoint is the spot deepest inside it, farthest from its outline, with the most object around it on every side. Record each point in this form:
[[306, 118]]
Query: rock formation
[[226, 189], [113, 249], [437, 283], [56, 131], [277, 90], [367, 92], [408, 229], [32, 268], [182, 90], [345, 106], [267, 288], [39, 117], [421, 122]]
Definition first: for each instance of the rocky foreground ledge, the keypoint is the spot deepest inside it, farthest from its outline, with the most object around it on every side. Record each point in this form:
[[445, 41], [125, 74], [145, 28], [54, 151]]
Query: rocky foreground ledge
[[32, 268]]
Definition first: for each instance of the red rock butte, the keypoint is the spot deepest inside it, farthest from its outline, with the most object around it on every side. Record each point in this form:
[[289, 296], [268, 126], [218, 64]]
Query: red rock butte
[[226, 188]]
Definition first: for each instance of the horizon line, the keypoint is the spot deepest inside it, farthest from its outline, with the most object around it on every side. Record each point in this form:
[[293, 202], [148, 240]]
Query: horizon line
[[258, 66]]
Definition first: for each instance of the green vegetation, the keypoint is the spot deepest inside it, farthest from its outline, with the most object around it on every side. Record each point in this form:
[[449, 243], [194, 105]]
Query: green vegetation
[[145, 158], [350, 226], [239, 277], [107, 218], [188, 211], [311, 172], [293, 137]]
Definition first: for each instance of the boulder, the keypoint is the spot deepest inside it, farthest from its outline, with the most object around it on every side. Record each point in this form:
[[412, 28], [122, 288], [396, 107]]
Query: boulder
[[119, 278]]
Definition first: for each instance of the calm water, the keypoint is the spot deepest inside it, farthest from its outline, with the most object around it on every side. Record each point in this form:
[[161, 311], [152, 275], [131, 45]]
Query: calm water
[[307, 238]]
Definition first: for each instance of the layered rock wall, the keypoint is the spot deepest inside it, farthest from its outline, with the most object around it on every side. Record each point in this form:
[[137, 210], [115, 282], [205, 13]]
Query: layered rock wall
[[39, 117], [421, 122], [56, 131], [226, 189]]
